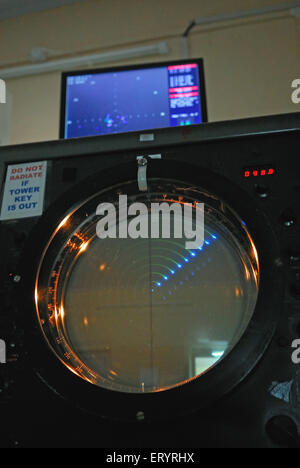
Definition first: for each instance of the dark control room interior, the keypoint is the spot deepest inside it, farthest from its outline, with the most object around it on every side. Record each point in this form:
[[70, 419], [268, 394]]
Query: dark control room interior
[[149, 227]]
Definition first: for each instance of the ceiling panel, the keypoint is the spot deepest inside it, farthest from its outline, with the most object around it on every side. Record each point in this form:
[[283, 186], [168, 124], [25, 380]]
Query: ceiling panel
[[13, 8]]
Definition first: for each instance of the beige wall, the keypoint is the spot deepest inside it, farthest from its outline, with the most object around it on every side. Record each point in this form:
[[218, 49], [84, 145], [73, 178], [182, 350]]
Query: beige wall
[[249, 64]]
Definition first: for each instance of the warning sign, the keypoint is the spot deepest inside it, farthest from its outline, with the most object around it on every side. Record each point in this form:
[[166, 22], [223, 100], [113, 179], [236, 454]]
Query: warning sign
[[24, 191]]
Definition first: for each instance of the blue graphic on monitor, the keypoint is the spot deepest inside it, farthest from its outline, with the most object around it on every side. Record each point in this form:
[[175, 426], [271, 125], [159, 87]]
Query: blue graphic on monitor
[[132, 100]]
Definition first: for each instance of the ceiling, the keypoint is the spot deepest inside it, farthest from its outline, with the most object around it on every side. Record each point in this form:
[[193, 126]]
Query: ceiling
[[13, 8]]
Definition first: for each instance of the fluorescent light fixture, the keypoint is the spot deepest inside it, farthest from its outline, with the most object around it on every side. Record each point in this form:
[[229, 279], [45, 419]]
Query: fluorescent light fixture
[[159, 48]]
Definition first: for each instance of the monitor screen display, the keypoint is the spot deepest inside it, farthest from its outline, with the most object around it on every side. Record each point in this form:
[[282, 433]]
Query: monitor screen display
[[128, 99]]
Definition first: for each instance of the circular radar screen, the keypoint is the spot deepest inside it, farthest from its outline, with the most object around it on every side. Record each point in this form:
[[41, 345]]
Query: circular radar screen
[[146, 314]]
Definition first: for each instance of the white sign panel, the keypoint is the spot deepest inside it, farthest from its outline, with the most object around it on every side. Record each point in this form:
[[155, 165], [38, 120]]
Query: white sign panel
[[24, 191]]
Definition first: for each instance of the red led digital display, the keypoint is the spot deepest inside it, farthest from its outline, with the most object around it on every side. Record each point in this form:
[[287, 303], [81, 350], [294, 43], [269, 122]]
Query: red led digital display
[[259, 172]]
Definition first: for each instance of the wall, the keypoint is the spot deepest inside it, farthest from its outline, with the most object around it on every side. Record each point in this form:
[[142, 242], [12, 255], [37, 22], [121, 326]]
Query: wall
[[5, 120], [249, 63]]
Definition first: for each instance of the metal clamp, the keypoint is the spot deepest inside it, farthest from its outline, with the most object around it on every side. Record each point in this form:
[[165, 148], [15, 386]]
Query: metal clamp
[[142, 170]]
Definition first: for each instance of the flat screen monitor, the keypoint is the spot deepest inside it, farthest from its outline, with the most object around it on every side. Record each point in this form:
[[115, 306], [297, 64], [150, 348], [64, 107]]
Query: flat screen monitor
[[132, 98]]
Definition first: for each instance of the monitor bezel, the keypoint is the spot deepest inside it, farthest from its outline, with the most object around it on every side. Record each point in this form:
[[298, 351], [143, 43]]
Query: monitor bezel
[[91, 71]]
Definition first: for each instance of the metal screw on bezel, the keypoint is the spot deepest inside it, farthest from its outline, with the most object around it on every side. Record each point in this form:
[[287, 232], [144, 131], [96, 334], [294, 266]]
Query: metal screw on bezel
[[140, 416], [142, 161], [17, 279]]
